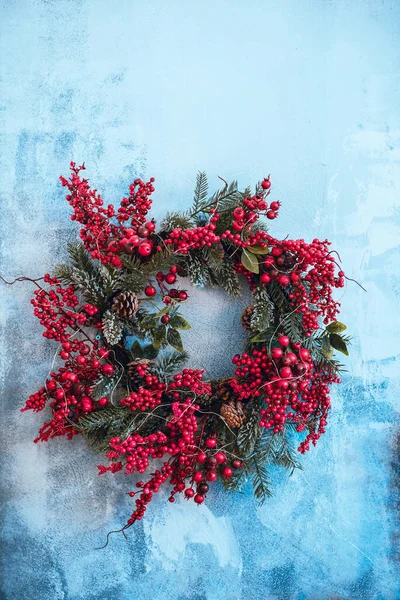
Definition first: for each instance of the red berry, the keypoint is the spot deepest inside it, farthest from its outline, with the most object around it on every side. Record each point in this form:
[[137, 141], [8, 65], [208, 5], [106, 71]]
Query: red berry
[[165, 318], [265, 278], [211, 476], [271, 214], [220, 457], [170, 278], [202, 457], [266, 184], [284, 280], [150, 226], [51, 385], [277, 353], [143, 232], [237, 464], [227, 472], [274, 206], [262, 205], [150, 290], [285, 372], [189, 493], [238, 213], [211, 442], [198, 476], [145, 249], [304, 354], [238, 225], [284, 340], [134, 240], [108, 369], [199, 498], [183, 295], [103, 401]]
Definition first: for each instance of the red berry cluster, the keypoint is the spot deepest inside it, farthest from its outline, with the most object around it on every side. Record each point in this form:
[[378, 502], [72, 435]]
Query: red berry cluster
[[169, 295], [183, 240], [307, 272], [54, 309], [36, 401], [104, 239], [69, 390], [189, 382], [293, 388], [146, 398], [253, 207]]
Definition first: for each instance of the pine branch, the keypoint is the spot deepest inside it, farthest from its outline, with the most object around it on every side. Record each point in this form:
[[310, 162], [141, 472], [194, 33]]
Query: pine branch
[[104, 418], [169, 363], [250, 431], [176, 220], [104, 385], [260, 482], [200, 192], [263, 309], [228, 278]]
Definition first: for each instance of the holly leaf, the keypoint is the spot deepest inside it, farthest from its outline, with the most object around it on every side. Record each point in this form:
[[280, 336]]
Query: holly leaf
[[250, 261], [174, 339], [262, 336], [150, 352], [257, 249], [162, 312], [337, 342], [136, 350], [335, 327], [179, 322], [159, 335], [149, 321]]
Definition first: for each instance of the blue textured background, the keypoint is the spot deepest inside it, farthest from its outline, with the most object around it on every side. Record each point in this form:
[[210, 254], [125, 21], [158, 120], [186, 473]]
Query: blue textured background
[[307, 91]]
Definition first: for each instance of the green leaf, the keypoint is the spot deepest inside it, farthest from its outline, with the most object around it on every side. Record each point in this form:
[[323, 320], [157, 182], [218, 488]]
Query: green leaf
[[336, 327], [179, 322], [262, 336], [257, 249], [159, 335], [250, 261], [149, 321], [338, 343], [163, 311], [174, 339], [136, 350], [150, 352]]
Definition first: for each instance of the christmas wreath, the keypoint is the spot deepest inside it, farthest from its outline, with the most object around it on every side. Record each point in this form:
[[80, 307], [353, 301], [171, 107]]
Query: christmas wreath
[[115, 310]]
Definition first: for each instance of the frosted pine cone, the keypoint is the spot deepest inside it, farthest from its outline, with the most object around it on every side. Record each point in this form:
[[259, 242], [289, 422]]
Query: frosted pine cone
[[246, 317]]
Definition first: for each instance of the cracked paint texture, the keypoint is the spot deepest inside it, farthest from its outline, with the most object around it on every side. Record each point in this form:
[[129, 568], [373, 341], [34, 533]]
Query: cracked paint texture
[[307, 91]]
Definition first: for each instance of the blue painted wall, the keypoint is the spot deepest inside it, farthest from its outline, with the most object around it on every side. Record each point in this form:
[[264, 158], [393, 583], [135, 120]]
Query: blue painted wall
[[305, 90]]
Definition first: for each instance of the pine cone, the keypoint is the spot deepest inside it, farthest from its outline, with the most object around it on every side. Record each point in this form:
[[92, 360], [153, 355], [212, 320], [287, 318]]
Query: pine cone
[[134, 379], [125, 305], [223, 390], [233, 413], [246, 317]]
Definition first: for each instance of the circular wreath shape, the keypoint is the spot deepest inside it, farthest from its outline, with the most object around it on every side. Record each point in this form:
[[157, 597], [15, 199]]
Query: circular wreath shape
[[115, 310]]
